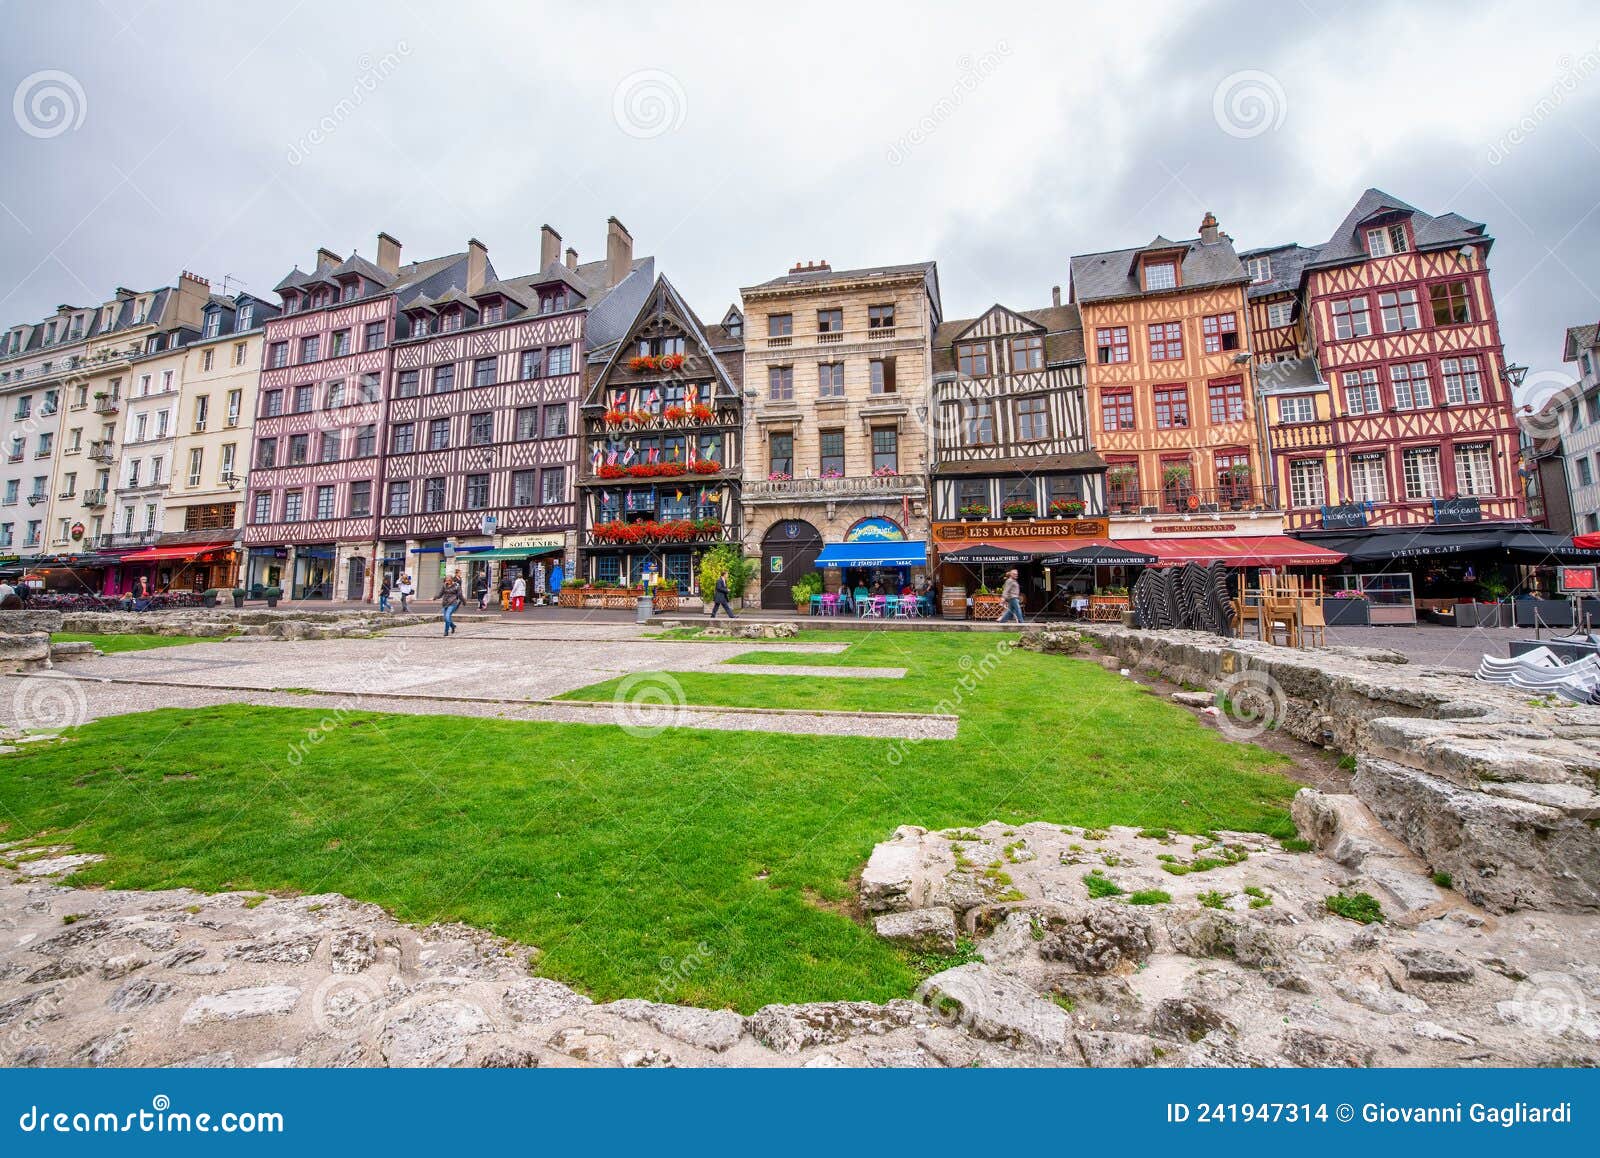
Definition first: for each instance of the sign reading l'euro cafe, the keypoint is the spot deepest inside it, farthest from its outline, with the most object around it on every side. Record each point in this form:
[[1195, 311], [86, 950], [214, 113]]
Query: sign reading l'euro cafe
[[1021, 529]]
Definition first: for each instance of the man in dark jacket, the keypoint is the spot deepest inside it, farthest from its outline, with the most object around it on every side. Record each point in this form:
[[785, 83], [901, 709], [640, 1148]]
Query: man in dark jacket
[[720, 598]]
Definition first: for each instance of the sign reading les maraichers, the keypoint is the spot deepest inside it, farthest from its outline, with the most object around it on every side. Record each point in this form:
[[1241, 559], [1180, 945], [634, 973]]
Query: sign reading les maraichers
[[1044, 529]]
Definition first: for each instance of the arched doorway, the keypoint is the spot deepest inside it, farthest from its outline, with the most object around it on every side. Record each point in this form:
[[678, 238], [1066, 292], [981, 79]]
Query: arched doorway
[[788, 550]]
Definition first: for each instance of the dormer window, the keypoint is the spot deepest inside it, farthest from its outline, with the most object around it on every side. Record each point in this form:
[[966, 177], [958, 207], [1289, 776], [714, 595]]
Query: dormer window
[[352, 289], [247, 316], [213, 323], [419, 324], [1160, 275], [1260, 269], [1387, 239], [494, 312], [50, 334], [319, 299], [450, 321], [553, 301]]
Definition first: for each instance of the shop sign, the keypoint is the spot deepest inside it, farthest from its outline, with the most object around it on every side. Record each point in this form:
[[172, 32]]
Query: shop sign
[[1457, 510], [1042, 529], [77, 531], [775, 564], [1192, 528], [1577, 580], [546, 540], [1344, 516], [875, 529]]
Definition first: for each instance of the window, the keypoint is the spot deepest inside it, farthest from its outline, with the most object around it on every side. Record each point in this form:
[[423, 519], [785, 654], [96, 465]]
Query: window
[[1410, 383], [480, 429], [1260, 268], [530, 365], [1280, 314], [325, 502], [1474, 469], [1166, 342], [1172, 407], [483, 372], [522, 484], [292, 501], [263, 508], [304, 397], [399, 499], [1160, 275], [1033, 418], [329, 449], [339, 343], [1111, 344], [780, 326], [527, 424], [235, 404], [1462, 382], [239, 351], [1387, 239], [1351, 318], [1116, 409], [438, 434], [1451, 303], [1027, 354], [881, 375], [1361, 392], [272, 403], [450, 320], [1369, 479], [780, 383], [558, 360], [607, 568], [277, 355], [880, 317], [1307, 486], [367, 388], [973, 360], [207, 359], [1585, 472], [477, 493], [830, 379], [977, 422], [1421, 469], [1227, 401], [831, 446], [432, 495], [780, 453], [493, 313], [361, 497], [555, 420], [1398, 310], [402, 438], [405, 385], [230, 453], [553, 486], [885, 449], [310, 348], [444, 379], [366, 441], [1220, 332], [267, 453], [335, 395], [298, 446], [419, 325], [1296, 410], [377, 334], [830, 321], [196, 462]]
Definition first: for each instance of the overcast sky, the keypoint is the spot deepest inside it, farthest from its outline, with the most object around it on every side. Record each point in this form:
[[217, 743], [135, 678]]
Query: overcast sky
[[149, 137]]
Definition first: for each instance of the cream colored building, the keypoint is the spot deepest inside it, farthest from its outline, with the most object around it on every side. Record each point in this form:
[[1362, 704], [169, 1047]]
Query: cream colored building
[[837, 380]]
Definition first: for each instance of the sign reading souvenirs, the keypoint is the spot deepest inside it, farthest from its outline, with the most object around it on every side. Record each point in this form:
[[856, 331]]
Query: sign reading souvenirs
[[1457, 510], [1344, 516], [1043, 529]]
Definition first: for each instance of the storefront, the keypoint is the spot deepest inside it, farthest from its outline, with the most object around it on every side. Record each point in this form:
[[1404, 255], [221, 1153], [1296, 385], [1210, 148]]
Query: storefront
[[1039, 549], [517, 555], [181, 566], [313, 571], [264, 568]]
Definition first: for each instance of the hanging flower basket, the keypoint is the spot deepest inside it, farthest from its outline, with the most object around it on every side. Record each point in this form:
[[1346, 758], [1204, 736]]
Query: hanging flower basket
[[674, 414], [705, 466], [612, 470], [700, 412]]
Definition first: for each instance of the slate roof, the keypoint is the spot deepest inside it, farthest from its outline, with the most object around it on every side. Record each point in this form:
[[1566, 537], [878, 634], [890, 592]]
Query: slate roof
[[1579, 339], [1063, 338], [1294, 376], [928, 270], [1442, 232], [1287, 263], [355, 263], [1113, 275]]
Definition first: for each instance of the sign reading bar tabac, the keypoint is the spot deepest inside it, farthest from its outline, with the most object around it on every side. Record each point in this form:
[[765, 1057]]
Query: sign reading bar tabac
[[1043, 529]]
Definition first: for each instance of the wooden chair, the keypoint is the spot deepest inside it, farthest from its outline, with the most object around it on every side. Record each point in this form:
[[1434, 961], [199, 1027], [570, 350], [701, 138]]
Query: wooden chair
[[1277, 615], [1313, 624]]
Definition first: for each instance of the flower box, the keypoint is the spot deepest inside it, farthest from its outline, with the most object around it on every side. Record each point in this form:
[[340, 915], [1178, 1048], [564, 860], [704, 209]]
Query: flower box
[[705, 466], [1066, 508], [987, 607], [665, 600], [700, 412], [1346, 612], [1020, 510], [618, 600], [1474, 614]]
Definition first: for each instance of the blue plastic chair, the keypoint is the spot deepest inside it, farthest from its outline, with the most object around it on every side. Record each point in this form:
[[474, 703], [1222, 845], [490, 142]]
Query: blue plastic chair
[[816, 605]]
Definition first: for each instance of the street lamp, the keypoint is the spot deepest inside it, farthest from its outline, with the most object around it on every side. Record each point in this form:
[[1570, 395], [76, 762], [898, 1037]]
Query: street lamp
[[231, 480], [1513, 374]]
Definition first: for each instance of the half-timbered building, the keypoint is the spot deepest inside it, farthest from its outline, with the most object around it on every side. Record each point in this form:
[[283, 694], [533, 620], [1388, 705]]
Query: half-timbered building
[[662, 445]]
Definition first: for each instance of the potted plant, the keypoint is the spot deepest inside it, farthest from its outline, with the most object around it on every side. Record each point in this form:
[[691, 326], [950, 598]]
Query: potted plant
[[1123, 478], [1020, 509], [273, 594], [1066, 508], [1347, 608], [700, 412], [726, 560], [986, 604], [803, 590], [209, 597], [238, 597], [1177, 476], [666, 595], [1490, 611], [975, 511]]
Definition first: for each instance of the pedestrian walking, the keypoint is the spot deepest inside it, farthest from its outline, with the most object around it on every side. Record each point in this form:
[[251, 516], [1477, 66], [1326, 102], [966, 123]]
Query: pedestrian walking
[[481, 590], [383, 594], [407, 590], [519, 592], [719, 598], [450, 598], [1011, 596]]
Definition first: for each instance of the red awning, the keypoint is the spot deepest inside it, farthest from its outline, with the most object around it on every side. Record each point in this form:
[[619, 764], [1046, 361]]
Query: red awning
[[165, 554], [1235, 551], [1592, 539]]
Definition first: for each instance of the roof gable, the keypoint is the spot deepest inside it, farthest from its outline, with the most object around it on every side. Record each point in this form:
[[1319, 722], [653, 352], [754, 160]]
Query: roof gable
[[997, 320], [664, 301]]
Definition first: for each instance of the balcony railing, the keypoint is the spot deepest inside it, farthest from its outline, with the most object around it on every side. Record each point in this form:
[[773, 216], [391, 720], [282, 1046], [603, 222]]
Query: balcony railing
[[1302, 436], [94, 498], [106, 405], [832, 337], [101, 451], [1186, 500], [128, 539], [791, 490]]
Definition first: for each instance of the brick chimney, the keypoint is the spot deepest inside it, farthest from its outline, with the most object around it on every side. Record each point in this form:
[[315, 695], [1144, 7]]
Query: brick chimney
[[1055, 295], [477, 265], [619, 251], [812, 267], [326, 257], [1208, 228], [388, 253], [194, 292], [572, 258], [549, 247]]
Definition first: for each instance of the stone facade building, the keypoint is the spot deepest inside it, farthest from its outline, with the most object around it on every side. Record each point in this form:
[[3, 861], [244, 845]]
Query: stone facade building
[[837, 373], [1578, 420]]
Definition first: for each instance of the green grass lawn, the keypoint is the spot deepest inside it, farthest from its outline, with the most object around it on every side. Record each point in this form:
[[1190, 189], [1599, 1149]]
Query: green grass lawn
[[696, 866], [111, 644]]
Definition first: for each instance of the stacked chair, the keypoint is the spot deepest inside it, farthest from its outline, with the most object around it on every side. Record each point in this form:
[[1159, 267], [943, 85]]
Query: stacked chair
[[1542, 672]]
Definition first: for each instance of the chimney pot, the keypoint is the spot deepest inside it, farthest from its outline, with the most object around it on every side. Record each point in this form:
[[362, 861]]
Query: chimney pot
[[549, 247], [572, 258], [1055, 295], [326, 256], [1208, 228]]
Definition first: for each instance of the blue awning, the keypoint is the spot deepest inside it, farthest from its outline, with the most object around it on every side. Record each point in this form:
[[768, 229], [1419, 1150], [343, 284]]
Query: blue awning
[[873, 555]]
